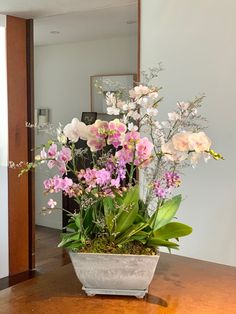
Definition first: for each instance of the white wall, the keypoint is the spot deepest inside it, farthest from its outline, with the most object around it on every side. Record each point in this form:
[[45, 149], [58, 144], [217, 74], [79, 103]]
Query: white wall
[[3, 153], [195, 40], [62, 84]]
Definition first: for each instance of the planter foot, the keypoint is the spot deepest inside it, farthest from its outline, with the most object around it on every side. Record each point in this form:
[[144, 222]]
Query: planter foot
[[139, 294]]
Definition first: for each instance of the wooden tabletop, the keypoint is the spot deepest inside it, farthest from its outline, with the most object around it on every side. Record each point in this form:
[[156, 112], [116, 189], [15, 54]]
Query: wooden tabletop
[[181, 285]]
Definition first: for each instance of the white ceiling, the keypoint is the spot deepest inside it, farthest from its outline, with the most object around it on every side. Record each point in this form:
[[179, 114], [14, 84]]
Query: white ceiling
[[75, 20], [40, 8], [86, 25]]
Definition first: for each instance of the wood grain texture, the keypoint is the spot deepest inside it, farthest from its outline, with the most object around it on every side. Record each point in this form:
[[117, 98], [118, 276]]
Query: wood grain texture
[[181, 286], [18, 145]]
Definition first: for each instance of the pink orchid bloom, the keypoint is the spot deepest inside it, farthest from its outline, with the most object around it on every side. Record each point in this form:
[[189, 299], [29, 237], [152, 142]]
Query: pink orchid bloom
[[97, 134], [66, 184], [57, 184], [132, 136], [125, 155], [43, 154], [62, 167], [103, 177], [65, 154], [52, 151], [90, 177], [117, 131], [52, 163], [116, 125], [48, 184], [52, 203], [99, 129], [144, 149], [96, 144], [115, 182]]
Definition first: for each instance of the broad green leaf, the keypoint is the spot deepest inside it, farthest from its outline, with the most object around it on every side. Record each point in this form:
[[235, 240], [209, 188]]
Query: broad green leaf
[[128, 210], [165, 213], [88, 219], [75, 245], [78, 222], [156, 242], [132, 196], [125, 237], [172, 230], [119, 199], [69, 237], [72, 225], [109, 212]]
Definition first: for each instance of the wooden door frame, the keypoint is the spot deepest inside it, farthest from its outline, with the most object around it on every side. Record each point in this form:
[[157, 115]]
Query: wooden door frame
[[19, 43]]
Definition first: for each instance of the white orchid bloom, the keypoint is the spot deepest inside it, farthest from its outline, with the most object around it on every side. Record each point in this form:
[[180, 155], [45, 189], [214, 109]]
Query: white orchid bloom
[[132, 127], [75, 130], [152, 112], [113, 111], [173, 116]]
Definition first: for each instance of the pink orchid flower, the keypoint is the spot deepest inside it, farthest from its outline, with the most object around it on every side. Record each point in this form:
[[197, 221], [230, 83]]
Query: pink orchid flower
[[52, 203], [52, 151]]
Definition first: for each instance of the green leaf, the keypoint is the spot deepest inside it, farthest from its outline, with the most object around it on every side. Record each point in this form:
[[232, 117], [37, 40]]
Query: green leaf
[[172, 230], [139, 218], [165, 213], [156, 242], [119, 199], [72, 225], [143, 209], [109, 212], [128, 210], [78, 222], [88, 219], [69, 237], [75, 245], [125, 237], [140, 236]]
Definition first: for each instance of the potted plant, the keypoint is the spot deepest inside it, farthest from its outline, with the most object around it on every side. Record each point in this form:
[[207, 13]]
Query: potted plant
[[122, 220]]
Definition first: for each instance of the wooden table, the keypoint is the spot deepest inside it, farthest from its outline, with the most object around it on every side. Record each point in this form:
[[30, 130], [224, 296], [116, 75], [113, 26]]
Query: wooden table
[[181, 285]]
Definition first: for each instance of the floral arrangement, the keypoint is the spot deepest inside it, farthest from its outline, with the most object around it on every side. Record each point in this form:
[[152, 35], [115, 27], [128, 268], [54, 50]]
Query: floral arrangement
[[103, 179]]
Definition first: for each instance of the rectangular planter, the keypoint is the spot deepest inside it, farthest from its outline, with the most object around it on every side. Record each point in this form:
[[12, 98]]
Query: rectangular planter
[[114, 274]]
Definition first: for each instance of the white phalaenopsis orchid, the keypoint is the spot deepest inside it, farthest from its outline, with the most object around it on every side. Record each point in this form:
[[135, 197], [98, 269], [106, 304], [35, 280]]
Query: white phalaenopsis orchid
[[110, 99], [75, 130], [179, 141], [173, 116], [113, 111]]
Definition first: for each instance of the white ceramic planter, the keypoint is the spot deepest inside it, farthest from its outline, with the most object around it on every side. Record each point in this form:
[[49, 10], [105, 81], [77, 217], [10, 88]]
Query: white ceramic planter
[[114, 274]]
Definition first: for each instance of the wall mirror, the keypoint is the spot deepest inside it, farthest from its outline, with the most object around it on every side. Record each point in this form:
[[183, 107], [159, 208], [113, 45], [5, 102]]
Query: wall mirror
[[71, 52]]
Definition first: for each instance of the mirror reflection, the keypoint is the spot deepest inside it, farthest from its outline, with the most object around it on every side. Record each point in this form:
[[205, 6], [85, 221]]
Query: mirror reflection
[[72, 52]]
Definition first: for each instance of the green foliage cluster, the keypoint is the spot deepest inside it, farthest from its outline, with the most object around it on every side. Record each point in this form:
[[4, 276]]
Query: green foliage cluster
[[120, 224]]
